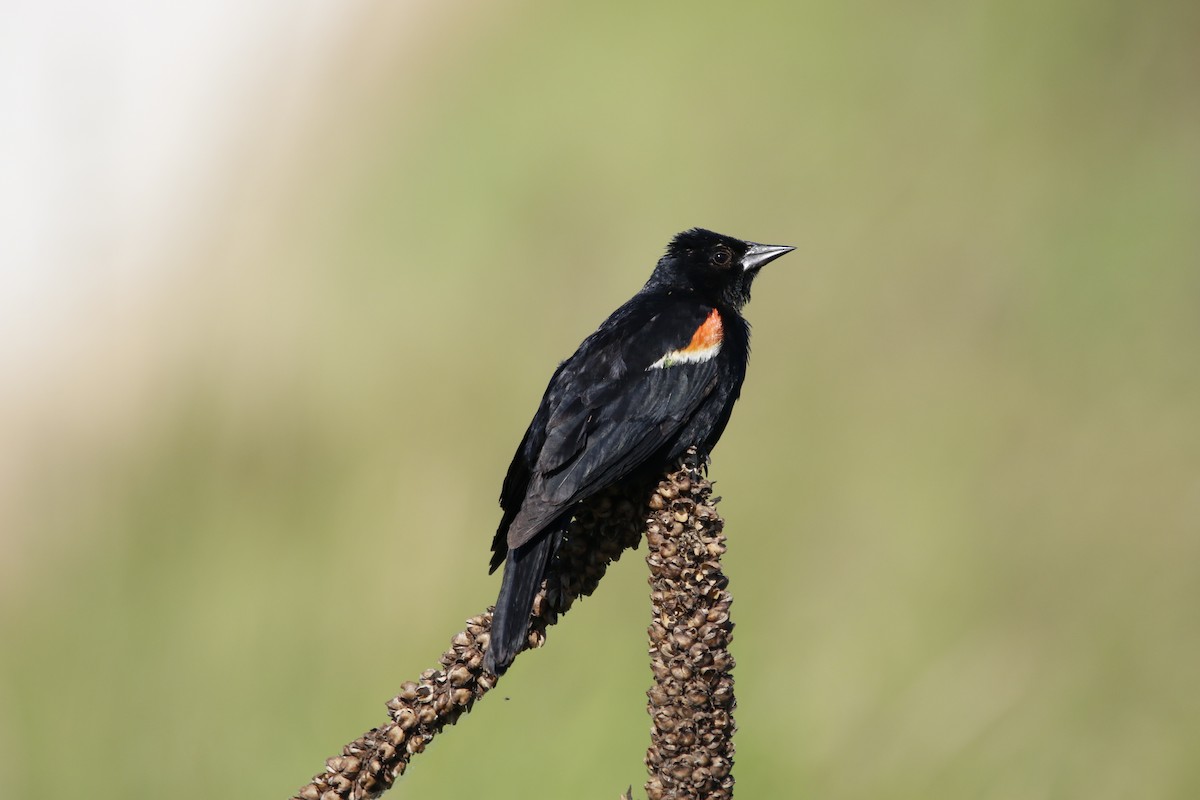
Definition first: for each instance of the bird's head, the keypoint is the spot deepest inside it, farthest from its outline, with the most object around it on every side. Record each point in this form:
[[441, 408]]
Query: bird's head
[[718, 268]]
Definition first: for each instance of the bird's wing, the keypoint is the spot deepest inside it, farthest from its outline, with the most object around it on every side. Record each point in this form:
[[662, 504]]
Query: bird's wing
[[622, 396]]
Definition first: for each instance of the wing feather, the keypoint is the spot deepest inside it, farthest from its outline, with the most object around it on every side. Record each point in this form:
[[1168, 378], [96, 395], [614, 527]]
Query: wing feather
[[624, 414]]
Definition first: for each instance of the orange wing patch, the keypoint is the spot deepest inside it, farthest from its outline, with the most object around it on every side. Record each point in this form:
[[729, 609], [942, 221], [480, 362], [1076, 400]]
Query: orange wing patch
[[708, 335], [705, 344]]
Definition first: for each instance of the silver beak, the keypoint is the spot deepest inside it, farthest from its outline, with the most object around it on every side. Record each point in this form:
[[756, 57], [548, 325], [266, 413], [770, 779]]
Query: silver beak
[[759, 255]]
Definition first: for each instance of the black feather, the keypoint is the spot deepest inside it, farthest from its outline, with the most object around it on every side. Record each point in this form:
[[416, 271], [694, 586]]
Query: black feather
[[612, 411]]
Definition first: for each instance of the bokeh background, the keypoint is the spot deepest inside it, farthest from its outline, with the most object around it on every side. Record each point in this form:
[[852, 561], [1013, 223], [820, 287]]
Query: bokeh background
[[281, 284]]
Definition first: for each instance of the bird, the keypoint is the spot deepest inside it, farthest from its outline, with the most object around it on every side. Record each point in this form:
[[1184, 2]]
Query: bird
[[659, 376]]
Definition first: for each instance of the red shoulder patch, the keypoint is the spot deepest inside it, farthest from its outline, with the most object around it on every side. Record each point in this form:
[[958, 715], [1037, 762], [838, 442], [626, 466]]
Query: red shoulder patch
[[705, 344], [708, 335]]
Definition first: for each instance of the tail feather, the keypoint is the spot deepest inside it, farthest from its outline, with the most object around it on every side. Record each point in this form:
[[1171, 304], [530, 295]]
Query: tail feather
[[524, 570]]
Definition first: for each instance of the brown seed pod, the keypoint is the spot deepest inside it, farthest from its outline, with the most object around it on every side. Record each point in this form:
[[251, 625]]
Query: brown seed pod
[[406, 719], [459, 675]]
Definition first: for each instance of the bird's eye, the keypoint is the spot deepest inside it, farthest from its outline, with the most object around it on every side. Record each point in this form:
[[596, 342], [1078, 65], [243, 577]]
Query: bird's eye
[[722, 257]]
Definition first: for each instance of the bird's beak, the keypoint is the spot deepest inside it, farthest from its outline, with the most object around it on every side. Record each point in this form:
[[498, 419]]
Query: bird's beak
[[759, 255]]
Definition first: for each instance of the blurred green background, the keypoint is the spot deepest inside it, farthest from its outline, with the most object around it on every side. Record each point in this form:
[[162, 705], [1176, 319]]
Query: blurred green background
[[962, 488]]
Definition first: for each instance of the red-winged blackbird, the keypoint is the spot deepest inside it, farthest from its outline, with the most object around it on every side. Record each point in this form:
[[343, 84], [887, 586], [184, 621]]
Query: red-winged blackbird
[[657, 377]]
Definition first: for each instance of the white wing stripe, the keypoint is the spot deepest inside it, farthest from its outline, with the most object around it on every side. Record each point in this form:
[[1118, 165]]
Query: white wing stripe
[[692, 355]]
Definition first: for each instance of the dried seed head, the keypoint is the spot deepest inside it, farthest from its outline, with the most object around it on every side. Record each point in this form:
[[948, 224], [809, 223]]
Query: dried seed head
[[605, 527], [691, 746]]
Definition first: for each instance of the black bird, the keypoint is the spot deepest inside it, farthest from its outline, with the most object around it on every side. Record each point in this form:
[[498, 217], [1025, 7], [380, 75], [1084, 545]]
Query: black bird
[[661, 374]]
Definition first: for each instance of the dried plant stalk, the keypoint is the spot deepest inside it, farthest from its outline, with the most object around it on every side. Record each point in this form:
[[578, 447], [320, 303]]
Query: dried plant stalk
[[602, 530], [692, 701]]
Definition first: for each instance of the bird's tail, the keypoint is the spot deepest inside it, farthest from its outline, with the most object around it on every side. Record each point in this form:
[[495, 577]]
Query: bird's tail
[[524, 570]]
